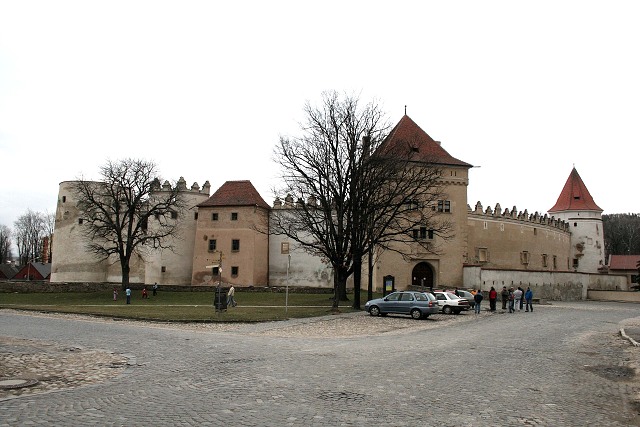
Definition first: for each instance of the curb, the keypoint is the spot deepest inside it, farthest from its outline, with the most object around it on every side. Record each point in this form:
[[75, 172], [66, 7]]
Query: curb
[[627, 337]]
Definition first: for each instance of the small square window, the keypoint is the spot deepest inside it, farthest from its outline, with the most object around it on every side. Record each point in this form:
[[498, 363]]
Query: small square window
[[524, 257], [234, 271], [163, 269], [483, 255], [212, 245], [215, 271], [444, 206], [214, 216], [80, 221], [234, 216], [174, 215], [235, 245]]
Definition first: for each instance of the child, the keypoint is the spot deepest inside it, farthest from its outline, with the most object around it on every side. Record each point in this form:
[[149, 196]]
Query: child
[[144, 293]]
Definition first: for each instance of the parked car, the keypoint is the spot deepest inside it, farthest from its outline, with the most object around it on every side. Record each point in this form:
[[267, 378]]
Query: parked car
[[451, 303], [468, 296], [415, 304]]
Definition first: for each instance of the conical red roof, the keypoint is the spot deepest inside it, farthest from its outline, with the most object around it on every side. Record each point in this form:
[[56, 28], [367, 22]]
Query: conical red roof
[[407, 134], [236, 193], [575, 196]]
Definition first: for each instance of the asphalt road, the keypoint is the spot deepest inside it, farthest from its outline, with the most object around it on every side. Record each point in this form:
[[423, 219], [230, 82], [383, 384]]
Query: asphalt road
[[562, 365]]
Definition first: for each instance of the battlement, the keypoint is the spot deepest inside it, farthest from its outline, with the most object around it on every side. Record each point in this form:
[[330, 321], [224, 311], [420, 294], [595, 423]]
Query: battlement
[[515, 215], [182, 186]]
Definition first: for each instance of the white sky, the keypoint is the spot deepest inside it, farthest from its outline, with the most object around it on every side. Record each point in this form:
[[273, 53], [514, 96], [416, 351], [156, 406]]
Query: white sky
[[524, 90]]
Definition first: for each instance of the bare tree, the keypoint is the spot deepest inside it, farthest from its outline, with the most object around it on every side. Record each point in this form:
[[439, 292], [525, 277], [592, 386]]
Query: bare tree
[[5, 244], [48, 223], [29, 232], [117, 211], [354, 193], [621, 234]]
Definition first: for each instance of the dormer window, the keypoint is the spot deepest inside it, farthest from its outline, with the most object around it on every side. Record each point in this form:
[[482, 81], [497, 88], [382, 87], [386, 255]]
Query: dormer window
[[415, 149]]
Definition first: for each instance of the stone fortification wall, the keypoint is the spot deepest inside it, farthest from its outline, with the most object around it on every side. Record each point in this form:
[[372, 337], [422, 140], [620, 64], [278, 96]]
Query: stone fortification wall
[[516, 240], [72, 262], [547, 285]]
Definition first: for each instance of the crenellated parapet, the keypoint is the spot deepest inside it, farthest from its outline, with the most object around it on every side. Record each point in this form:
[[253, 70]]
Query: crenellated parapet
[[182, 186], [515, 215]]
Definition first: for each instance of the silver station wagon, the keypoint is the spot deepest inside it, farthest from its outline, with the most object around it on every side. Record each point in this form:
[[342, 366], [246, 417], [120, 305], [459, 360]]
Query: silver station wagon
[[415, 304]]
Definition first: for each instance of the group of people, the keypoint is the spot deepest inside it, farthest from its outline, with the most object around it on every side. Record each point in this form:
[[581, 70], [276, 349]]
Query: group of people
[[515, 298], [127, 293]]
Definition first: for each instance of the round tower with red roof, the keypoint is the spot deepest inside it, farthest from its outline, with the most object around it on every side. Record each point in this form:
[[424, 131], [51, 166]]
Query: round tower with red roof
[[576, 206]]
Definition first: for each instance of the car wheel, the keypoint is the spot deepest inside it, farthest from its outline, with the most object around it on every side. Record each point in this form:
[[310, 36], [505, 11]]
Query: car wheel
[[446, 309], [374, 310], [416, 314]]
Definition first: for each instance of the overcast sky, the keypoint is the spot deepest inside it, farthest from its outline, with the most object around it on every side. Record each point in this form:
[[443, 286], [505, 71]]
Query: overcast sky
[[523, 90]]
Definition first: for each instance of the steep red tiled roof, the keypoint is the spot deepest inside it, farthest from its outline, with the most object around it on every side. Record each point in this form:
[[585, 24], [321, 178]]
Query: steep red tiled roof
[[407, 135], [575, 196], [624, 262], [236, 193]]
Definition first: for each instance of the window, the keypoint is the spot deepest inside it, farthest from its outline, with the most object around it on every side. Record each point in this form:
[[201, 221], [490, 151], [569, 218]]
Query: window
[[524, 257], [215, 271], [234, 271], [575, 263], [174, 215], [406, 297], [555, 262], [64, 199], [544, 260], [235, 245], [163, 269], [80, 221], [214, 216], [483, 255], [444, 205], [195, 216], [234, 216], [422, 233], [212, 245]]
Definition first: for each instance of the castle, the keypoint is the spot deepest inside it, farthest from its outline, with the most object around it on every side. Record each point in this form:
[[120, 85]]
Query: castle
[[220, 238]]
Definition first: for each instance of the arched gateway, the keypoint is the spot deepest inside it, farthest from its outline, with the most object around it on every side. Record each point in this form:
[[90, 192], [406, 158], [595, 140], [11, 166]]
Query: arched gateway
[[422, 275]]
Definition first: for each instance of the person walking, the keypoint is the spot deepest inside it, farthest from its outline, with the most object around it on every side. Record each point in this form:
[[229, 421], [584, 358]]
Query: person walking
[[517, 296], [493, 296], [128, 294], [145, 295], [155, 289], [504, 296], [511, 298], [230, 300], [478, 299], [528, 296]]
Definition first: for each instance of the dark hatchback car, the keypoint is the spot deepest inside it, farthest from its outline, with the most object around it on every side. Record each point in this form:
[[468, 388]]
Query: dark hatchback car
[[415, 304]]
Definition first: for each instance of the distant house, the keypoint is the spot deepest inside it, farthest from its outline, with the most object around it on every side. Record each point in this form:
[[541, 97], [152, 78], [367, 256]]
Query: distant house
[[625, 264], [8, 271], [34, 271]]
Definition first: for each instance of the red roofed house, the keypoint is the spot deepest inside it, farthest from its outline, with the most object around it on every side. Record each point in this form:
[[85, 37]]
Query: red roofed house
[[34, 271], [229, 225], [629, 265], [576, 206]]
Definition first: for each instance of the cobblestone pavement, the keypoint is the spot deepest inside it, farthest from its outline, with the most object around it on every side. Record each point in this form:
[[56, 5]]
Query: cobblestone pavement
[[564, 364]]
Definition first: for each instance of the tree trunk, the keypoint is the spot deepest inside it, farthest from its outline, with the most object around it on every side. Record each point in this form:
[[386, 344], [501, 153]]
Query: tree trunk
[[357, 280], [370, 279], [125, 275]]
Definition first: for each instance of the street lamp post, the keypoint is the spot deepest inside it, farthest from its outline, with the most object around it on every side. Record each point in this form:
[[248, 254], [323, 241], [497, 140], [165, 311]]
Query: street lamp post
[[286, 293]]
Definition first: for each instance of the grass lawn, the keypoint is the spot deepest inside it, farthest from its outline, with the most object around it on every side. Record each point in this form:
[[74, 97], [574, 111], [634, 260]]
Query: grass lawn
[[180, 306]]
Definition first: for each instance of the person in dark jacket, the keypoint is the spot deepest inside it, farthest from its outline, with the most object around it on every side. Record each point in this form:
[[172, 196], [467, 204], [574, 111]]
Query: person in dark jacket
[[478, 299], [493, 296], [505, 297]]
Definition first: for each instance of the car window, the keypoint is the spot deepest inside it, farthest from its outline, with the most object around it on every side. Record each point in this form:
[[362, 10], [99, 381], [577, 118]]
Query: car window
[[420, 297], [406, 297], [393, 297], [441, 297], [452, 296]]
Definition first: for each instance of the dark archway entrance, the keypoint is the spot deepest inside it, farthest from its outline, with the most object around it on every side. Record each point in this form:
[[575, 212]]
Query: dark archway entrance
[[422, 275]]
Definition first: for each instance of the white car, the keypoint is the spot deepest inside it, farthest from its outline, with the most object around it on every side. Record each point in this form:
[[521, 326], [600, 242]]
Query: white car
[[451, 303]]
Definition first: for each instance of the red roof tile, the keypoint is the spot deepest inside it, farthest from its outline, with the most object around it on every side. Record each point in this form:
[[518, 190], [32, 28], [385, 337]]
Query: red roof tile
[[575, 196], [423, 148], [624, 262], [236, 193]]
